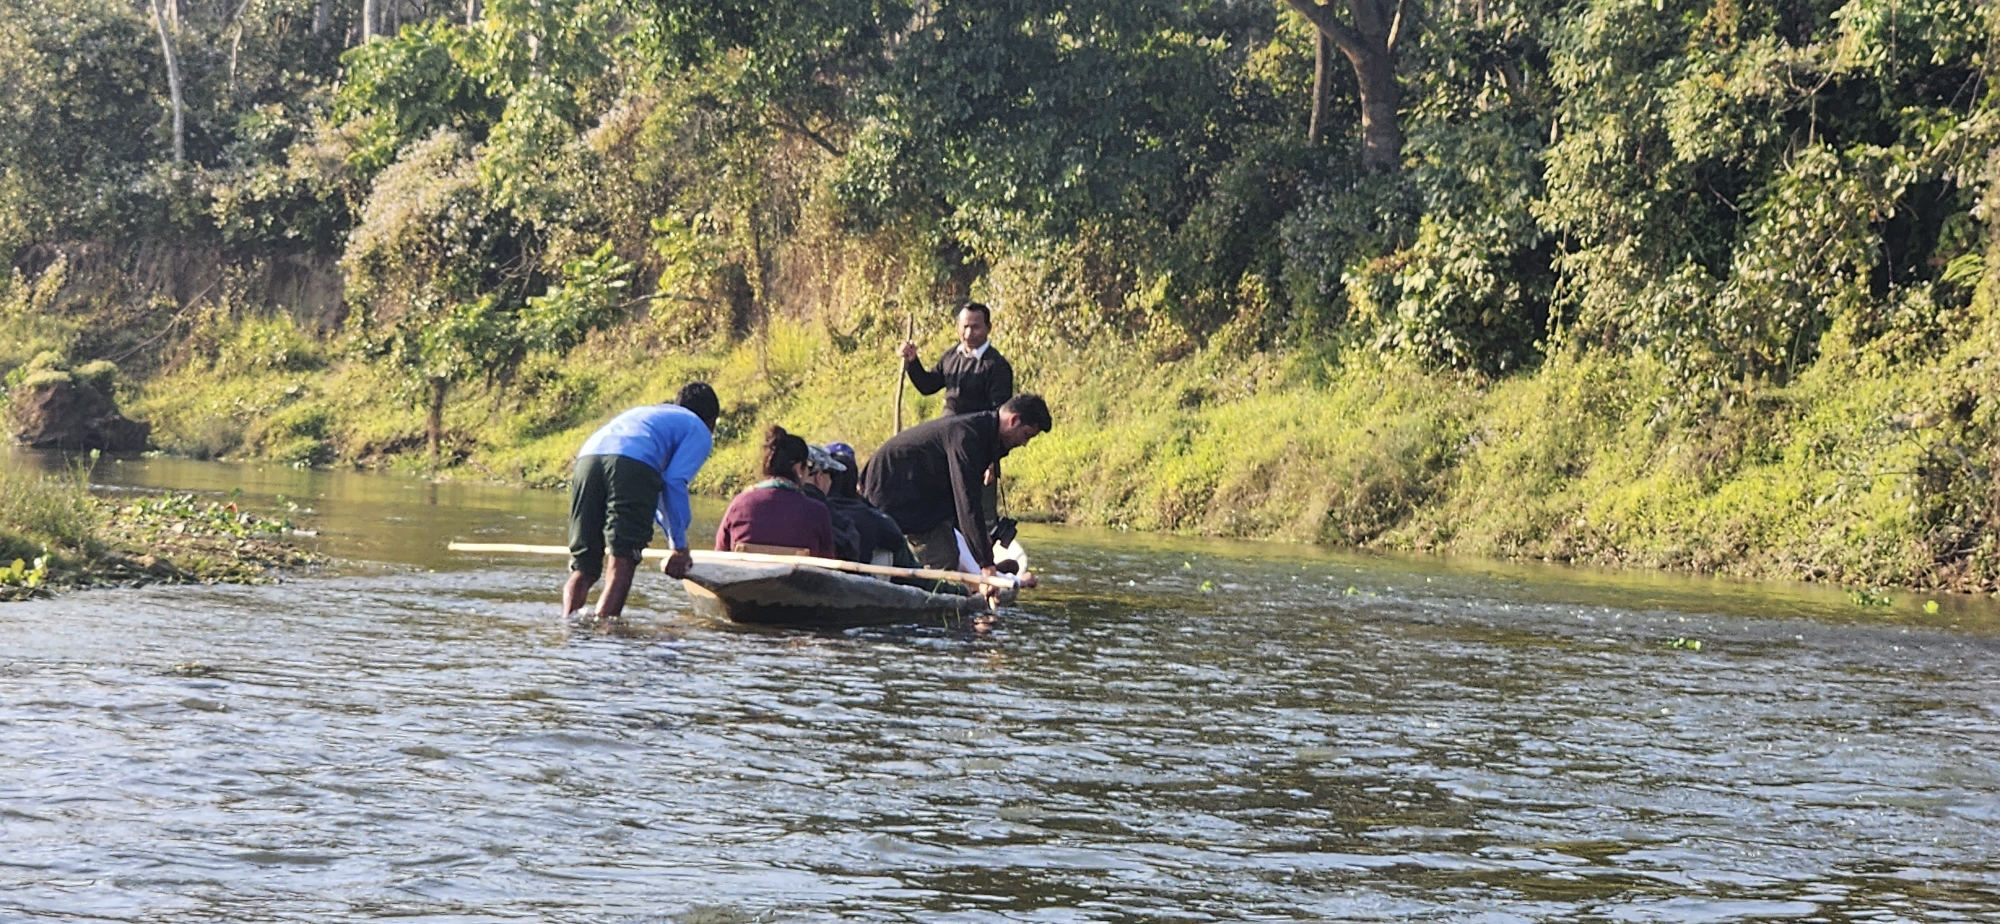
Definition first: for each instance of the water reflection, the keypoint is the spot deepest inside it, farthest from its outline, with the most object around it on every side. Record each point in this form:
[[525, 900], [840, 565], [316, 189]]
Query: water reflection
[[1450, 740]]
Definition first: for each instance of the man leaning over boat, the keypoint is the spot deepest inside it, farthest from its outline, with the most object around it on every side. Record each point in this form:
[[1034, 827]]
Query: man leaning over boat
[[929, 479], [633, 472]]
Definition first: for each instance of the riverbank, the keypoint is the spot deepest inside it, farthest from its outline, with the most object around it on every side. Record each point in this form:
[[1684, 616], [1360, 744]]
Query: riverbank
[[1868, 468], [55, 535]]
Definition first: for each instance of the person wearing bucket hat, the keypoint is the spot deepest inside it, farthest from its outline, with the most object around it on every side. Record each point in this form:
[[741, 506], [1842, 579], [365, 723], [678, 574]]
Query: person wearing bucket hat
[[821, 461], [880, 539], [821, 467]]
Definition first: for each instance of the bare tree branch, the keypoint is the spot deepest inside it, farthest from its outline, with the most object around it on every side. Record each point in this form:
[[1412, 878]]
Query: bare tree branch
[[797, 125], [1322, 18], [1396, 26]]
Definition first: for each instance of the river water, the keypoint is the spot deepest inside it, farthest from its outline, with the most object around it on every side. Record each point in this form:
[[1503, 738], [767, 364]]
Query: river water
[[1169, 731]]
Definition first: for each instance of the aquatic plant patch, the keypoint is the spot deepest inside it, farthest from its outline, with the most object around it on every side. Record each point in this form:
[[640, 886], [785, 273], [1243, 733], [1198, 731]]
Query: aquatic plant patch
[[56, 535]]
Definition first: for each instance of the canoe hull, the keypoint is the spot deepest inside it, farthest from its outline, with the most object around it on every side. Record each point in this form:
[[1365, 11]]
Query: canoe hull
[[791, 596]]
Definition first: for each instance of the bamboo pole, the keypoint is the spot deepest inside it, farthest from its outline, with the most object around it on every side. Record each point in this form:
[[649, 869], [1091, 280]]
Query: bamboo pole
[[902, 368], [701, 555]]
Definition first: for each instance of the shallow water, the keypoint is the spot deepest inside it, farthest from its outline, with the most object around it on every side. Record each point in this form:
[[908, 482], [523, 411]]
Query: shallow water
[[1311, 737]]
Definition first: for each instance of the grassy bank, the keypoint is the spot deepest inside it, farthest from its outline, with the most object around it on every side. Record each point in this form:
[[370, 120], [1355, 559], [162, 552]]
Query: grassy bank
[[1864, 469], [55, 535]]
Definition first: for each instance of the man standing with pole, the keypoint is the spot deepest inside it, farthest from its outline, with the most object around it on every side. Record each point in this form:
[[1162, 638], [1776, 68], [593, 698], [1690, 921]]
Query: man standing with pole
[[974, 377]]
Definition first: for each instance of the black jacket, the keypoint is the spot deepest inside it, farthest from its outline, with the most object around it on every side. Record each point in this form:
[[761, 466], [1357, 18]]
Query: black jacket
[[933, 472], [970, 385], [846, 540], [873, 529]]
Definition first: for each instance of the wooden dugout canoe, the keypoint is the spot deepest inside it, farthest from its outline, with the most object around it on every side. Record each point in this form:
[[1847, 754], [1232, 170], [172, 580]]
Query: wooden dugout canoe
[[806, 597], [802, 592]]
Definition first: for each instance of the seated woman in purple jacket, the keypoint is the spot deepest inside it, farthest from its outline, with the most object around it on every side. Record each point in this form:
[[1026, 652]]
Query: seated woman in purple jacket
[[775, 512]]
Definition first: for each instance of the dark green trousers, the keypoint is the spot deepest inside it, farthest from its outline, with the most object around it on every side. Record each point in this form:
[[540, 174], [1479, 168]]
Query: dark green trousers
[[611, 504]]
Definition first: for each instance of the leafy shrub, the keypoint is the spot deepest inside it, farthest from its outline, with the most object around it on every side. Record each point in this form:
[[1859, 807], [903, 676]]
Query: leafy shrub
[[425, 79], [100, 374], [43, 377], [265, 344]]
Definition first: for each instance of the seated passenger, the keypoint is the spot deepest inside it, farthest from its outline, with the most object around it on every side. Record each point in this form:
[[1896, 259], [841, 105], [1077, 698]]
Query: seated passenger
[[819, 479], [876, 531], [775, 515]]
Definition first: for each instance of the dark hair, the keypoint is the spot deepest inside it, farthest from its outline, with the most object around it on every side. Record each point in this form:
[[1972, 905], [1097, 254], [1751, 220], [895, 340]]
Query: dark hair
[[782, 451], [1032, 410], [699, 398], [847, 483], [984, 311]]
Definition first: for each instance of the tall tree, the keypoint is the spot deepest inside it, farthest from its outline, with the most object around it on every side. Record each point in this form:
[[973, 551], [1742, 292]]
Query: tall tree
[[1369, 43], [173, 81]]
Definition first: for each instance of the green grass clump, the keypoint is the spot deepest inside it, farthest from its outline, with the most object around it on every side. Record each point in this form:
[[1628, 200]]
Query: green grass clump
[[1263, 450], [1857, 471], [41, 514]]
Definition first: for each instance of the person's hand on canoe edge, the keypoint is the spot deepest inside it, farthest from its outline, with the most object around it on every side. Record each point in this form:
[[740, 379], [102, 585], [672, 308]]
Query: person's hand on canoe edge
[[676, 565], [1010, 569], [996, 594]]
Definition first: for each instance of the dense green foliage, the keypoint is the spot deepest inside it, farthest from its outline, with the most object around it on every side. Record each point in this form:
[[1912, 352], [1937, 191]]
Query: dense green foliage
[[1748, 214]]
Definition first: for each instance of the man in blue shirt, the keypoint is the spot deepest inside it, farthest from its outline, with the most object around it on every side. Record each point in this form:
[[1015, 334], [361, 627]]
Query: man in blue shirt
[[631, 472]]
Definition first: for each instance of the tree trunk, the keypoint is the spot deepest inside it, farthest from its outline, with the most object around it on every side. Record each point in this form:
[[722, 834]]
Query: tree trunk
[[369, 15], [1322, 65], [1381, 126], [173, 81], [471, 13], [962, 267], [434, 425], [236, 43], [1369, 43], [322, 16]]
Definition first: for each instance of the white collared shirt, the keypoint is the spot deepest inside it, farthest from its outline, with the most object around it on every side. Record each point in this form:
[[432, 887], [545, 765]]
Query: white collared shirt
[[975, 354]]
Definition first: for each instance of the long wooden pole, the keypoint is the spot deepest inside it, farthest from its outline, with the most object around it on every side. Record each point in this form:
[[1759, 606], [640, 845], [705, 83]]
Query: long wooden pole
[[830, 564], [902, 369]]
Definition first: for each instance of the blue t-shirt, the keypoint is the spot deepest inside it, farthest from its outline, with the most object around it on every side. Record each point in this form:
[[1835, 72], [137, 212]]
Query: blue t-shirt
[[672, 440]]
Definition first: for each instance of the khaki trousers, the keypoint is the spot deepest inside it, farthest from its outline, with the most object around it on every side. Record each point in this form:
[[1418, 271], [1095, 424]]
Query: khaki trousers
[[936, 547]]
